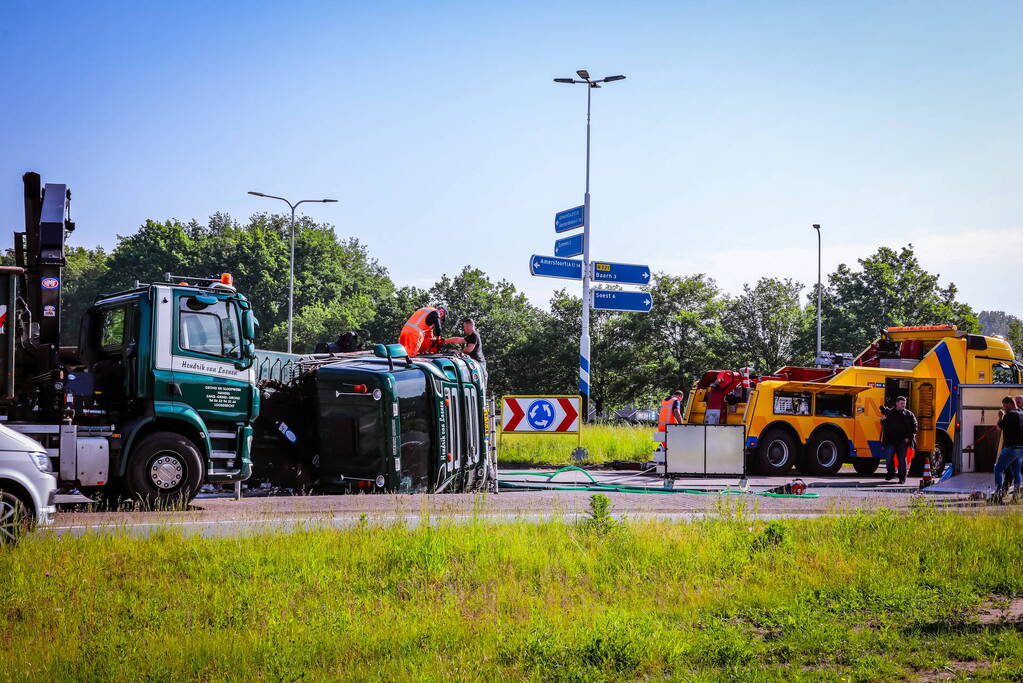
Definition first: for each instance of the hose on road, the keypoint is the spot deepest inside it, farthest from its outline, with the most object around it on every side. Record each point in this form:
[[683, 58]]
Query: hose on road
[[595, 485]]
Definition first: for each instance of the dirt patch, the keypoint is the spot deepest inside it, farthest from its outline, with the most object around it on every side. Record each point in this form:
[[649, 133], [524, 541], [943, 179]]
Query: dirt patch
[[998, 609], [955, 670]]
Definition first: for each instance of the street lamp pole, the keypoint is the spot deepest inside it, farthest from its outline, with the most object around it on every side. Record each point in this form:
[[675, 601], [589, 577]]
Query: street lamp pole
[[584, 337], [817, 227], [291, 275]]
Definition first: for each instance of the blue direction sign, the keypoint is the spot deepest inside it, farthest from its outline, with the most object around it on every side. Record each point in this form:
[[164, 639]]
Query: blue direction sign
[[569, 246], [621, 273], [610, 300], [568, 219], [552, 266]]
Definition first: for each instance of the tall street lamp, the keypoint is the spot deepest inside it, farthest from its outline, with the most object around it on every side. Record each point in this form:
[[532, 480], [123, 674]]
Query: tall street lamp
[[584, 339], [817, 227], [291, 276]]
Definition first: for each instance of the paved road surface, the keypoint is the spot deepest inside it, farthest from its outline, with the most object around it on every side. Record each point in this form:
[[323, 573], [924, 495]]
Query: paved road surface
[[223, 516]]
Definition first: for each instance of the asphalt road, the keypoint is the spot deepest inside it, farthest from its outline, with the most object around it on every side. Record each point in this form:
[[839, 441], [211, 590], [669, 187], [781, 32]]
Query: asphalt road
[[219, 515]]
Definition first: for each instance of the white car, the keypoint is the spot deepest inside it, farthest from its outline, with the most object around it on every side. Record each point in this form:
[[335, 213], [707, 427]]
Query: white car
[[27, 486]]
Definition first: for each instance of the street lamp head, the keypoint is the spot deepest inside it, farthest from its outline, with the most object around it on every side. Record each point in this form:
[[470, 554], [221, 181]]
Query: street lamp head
[[583, 74], [329, 201], [564, 80], [619, 77], [258, 194], [816, 226]]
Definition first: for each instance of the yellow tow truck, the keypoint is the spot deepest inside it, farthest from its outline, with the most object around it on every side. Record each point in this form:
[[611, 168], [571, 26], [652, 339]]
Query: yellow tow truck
[[817, 419]]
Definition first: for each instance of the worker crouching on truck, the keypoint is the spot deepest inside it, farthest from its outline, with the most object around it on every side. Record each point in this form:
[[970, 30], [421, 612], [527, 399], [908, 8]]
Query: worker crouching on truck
[[898, 427], [422, 332]]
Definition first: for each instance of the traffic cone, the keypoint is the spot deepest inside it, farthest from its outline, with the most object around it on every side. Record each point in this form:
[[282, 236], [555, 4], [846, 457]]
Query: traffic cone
[[926, 480]]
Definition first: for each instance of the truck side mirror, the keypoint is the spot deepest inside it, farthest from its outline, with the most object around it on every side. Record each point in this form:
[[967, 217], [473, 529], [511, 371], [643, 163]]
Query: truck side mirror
[[249, 323], [248, 356]]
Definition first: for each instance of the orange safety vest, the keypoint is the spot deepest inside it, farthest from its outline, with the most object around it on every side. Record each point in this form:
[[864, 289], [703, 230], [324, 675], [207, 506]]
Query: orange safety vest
[[417, 334], [666, 416]]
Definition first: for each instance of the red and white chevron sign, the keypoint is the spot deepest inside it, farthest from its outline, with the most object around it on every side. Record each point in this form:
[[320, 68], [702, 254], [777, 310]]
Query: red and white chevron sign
[[540, 414]]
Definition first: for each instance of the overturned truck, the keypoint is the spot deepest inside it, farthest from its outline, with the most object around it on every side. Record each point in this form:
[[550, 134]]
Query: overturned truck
[[374, 421]]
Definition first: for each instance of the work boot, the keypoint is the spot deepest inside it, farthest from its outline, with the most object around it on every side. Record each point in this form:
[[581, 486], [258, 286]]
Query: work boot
[[889, 476], [902, 480]]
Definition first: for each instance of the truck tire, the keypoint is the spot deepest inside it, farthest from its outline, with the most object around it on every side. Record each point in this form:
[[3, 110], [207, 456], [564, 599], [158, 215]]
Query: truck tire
[[16, 519], [939, 458], [777, 452], [825, 453], [164, 470], [866, 466]]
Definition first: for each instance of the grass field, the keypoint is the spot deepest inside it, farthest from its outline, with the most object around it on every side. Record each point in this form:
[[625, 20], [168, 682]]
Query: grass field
[[604, 443], [861, 597]]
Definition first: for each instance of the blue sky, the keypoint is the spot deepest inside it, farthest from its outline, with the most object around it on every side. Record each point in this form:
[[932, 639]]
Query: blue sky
[[738, 126]]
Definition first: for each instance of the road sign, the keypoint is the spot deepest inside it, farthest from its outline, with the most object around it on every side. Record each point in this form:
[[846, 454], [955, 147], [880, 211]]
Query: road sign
[[568, 219], [552, 266], [569, 246], [621, 273], [543, 414], [609, 300]]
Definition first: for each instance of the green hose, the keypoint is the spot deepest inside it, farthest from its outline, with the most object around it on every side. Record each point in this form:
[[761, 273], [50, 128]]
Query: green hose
[[595, 485]]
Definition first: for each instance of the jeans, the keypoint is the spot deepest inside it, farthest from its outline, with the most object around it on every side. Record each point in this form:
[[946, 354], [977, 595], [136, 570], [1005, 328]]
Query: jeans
[[1011, 457], [891, 450]]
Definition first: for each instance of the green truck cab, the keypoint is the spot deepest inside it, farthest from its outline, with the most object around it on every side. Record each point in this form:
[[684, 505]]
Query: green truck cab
[[374, 421], [159, 398]]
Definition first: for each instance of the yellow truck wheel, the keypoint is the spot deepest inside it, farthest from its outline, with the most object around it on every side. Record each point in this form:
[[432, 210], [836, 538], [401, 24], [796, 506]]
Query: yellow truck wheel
[[825, 453], [777, 452]]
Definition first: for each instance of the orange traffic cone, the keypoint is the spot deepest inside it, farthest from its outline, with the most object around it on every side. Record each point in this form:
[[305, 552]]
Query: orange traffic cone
[[926, 480]]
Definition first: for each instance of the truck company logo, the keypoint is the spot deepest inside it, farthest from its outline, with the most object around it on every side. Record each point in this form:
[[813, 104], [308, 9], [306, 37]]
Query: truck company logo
[[51, 283], [208, 368]]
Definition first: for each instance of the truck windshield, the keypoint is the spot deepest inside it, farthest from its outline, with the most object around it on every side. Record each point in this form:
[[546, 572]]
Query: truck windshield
[[211, 330], [416, 439]]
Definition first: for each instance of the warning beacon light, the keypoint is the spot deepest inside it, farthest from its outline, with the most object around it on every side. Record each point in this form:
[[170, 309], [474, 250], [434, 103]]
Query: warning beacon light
[[227, 279]]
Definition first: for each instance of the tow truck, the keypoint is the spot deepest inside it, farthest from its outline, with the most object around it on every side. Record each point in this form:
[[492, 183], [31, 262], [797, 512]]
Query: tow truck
[[159, 396], [817, 419]]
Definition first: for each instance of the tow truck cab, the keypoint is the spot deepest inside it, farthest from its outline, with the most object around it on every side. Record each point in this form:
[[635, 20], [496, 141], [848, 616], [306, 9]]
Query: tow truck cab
[[376, 421]]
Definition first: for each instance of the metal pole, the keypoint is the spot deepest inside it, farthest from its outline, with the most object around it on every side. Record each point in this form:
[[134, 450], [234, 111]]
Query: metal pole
[[291, 276], [584, 339], [818, 229]]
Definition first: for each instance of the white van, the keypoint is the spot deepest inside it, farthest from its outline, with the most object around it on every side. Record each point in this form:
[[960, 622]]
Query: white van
[[27, 486]]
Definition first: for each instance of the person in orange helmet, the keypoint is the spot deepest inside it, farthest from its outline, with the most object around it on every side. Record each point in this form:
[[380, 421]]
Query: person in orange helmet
[[422, 332]]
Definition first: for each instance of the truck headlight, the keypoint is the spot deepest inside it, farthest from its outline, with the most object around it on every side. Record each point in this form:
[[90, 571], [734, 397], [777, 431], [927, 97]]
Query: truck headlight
[[41, 460]]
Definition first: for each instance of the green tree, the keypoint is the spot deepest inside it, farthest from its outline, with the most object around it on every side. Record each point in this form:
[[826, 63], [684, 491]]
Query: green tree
[[890, 288], [83, 277], [1014, 335], [766, 323], [682, 337]]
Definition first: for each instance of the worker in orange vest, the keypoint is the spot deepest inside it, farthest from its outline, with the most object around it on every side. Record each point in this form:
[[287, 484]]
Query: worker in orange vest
[[422, 332], [671, 411]]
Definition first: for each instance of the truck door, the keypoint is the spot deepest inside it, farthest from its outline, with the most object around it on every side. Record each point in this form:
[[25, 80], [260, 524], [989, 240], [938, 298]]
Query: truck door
[[207, 349]]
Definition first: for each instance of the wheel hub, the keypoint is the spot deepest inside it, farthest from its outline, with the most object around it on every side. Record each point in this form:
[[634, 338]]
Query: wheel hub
[[9, 522], [167, 471], [778, 453], [826, 454]]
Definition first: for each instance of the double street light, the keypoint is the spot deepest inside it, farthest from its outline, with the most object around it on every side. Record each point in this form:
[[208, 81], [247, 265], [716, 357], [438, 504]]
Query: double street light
[[584, 339], [291, 277]]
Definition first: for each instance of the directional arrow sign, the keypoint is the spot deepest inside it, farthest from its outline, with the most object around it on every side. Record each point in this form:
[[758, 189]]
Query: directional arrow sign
[[568, 219], [569, 246], [609, 300], [552, 266], [621, 273], [550, 414]]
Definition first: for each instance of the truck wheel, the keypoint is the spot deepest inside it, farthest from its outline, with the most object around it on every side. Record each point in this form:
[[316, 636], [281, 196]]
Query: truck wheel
[[15, 519], [165, 469], [865, 466], [776, 453], [825, 453]]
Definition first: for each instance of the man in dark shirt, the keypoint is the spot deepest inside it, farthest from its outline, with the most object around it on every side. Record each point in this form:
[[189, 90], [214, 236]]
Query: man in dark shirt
[[898, 436], [473, 343], [1010, 421]]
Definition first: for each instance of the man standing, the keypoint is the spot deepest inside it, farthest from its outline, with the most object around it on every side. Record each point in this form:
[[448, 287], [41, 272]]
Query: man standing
[[1010, 421], [671, 411], [422, 332], [898, 427], [473, 343]]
